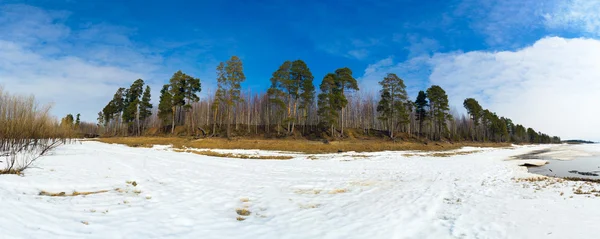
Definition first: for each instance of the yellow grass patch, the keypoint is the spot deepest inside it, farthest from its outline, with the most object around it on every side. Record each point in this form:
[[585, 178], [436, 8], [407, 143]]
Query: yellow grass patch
[[308, 191], [295, 145], [533, 179], [339, 190], [239, 218], [442, 154], [230, 155], [75, 193], [243, 212], [309, 205], [12, 171]]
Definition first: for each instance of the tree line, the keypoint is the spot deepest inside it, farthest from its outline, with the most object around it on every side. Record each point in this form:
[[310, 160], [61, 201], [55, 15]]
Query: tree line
[[292, 107]]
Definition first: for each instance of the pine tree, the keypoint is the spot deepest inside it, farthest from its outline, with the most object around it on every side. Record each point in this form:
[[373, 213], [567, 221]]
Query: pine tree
[[329, 102], [294, 80], [230, 77], [100, 118], [177, 88], [301, 89], [192, 86], [114, 108], [145, 106], [132, 103], [474, 110], [77, 121], [280, 88], [165, 105], [438, 103], [421, 109], [393, 104], [345, 82]]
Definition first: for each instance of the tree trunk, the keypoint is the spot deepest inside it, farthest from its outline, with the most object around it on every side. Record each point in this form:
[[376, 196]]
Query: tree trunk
[[229, 121], [173, 122]]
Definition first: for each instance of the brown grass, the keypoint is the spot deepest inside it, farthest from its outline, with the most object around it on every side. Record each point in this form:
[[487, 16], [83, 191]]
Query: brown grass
[[243, 212], [240, 218], [231, 155], [591, 180], [294, 145], [338, 191], [309, 206], [241, 156], [443, 154], [11, 171], [75, 193], [307, 191]]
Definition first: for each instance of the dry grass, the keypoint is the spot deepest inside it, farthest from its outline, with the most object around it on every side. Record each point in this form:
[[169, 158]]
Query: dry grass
[[309, 206], [11, 171], [244, 200], [533, 179], [240, 218], [307, 191], [75, 193], [591, 180], [443, 154], [133, 183], [231, 155], [294, 145], [243, 212], [338, 191]]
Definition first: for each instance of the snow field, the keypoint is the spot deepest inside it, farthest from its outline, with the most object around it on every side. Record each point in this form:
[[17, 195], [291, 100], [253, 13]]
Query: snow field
[[373, 195]]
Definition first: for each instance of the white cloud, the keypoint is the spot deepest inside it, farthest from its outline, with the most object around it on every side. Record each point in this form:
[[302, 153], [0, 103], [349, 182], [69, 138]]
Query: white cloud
[[79, 69], [358, 54], [498, 20], [582, 15], [76, 70], [552, 86], [414, 72], [421, 45]]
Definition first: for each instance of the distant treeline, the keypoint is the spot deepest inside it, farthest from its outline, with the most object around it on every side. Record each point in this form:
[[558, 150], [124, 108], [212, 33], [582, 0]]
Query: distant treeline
[[292, 107], [577, 141]]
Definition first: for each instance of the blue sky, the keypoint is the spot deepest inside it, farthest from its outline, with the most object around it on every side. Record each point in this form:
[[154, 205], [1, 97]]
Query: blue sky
[[77, 53]]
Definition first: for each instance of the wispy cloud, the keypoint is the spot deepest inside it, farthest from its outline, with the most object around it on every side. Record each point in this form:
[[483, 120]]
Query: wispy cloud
[[419, 45], [79, 68], [581, 15], [502, 21], [548, 85], [414, 72]]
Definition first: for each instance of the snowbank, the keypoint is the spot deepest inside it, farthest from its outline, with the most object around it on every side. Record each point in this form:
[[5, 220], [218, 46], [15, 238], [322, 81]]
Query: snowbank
[[381, 195]]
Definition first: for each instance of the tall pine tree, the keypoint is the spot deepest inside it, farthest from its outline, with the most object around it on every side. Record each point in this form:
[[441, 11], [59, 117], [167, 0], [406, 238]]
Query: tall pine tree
[[421, 109], [229, 79], [345, 82], [145, 107], [393, 104], [438, 103], [165, 105], [475, 111]]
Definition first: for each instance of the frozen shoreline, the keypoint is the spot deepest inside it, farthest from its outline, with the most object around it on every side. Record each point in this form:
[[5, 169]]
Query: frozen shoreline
[[383, 195]]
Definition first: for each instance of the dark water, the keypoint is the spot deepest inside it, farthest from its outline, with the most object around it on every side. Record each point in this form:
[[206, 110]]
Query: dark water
[[585, 167]]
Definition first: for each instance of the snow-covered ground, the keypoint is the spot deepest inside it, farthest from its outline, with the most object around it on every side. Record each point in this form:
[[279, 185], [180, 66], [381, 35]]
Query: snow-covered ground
[[373, 195]]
